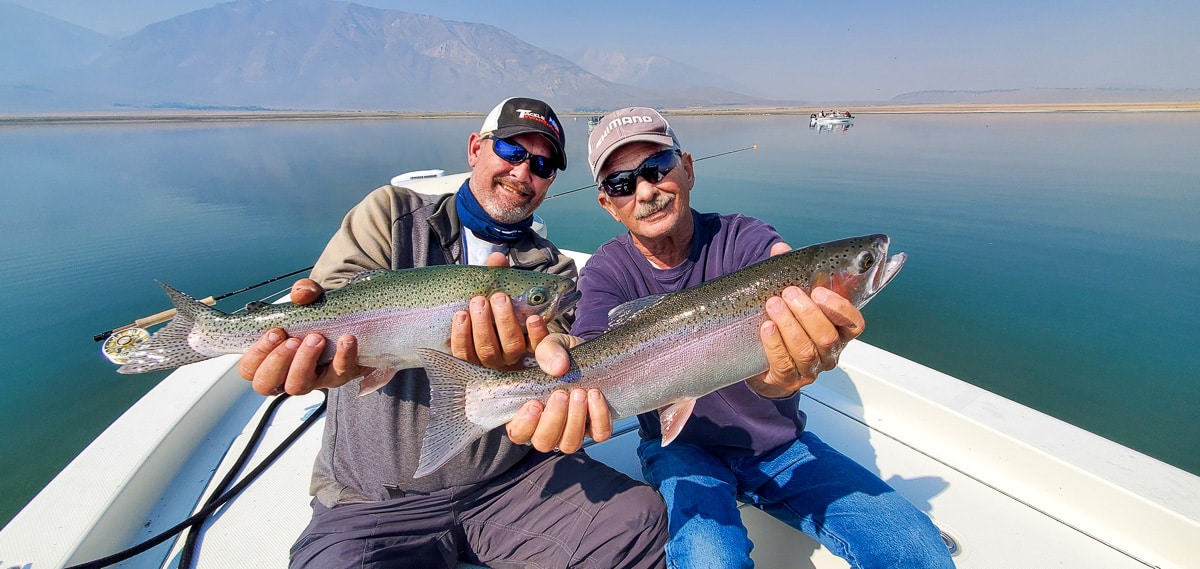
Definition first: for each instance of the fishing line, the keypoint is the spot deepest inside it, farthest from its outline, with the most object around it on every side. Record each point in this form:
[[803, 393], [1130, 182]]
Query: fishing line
[[256, 305], [592, 185]]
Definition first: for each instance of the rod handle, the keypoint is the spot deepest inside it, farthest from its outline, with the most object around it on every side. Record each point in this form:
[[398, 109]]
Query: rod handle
[[165, 315]]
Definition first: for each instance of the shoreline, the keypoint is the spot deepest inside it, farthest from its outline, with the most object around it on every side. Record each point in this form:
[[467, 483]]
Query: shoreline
[[192, 116], [961, 108]]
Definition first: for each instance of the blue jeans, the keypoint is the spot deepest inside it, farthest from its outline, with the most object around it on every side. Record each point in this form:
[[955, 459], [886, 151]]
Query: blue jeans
[[807, 485]]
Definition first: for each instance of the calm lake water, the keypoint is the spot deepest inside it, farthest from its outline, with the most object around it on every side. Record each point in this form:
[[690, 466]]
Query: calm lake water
[[1053, 258]]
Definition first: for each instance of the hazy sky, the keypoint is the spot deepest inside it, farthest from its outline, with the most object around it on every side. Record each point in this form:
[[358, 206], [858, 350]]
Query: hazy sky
[[820, 50]]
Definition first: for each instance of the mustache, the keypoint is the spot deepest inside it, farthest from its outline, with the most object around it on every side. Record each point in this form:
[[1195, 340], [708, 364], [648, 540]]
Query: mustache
[[660, 202]]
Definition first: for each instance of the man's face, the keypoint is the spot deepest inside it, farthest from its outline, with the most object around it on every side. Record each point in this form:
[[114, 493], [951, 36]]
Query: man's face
[[509, 193], [654, 210]]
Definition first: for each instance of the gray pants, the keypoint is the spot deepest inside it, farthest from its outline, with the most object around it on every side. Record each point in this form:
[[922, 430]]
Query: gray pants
[[547, 511]]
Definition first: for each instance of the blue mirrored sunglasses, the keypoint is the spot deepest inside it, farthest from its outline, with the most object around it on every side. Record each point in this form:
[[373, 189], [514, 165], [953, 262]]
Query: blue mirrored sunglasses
[[624, 183], [515, 154]]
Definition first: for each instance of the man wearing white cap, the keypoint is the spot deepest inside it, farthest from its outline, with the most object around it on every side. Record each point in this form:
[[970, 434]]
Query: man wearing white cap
[[499, 502], [746, 442]]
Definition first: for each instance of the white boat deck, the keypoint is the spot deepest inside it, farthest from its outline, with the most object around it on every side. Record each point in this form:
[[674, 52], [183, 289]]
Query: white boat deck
[[1059, 498]]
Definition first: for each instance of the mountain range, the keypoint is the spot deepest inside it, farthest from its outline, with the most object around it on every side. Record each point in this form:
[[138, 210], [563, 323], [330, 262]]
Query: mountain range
[[309, 55], [335, 55]]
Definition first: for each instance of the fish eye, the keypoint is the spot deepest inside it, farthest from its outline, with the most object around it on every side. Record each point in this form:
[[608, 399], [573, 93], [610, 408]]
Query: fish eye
[[865, 261], [537, 295]]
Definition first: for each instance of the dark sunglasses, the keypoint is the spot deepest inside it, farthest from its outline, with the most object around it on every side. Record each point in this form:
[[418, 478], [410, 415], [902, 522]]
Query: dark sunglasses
[[515, 154], [624, 183]]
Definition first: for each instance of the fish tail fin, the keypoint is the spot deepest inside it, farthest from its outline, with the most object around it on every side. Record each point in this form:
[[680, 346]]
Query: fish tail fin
[[449, 431], [169, 348]]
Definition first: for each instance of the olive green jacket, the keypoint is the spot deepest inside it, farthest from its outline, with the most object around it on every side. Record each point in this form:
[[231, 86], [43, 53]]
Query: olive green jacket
[[372, 443]]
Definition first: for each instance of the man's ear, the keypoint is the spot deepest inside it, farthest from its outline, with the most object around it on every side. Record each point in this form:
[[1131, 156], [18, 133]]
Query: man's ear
[[608, 206], [474, 148]]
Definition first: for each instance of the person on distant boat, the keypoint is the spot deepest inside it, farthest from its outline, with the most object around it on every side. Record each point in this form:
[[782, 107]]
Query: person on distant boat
[[501, 502], [747, 442]]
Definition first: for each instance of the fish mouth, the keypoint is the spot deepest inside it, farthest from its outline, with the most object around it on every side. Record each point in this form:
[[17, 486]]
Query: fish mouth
[[887, 272], [568, 301]]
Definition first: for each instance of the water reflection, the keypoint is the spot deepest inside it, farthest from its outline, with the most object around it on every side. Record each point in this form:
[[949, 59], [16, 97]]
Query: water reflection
[[1012, 222], [830, 128]]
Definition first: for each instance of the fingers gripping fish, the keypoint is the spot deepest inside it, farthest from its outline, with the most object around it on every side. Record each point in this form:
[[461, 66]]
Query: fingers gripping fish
[[661, 352]]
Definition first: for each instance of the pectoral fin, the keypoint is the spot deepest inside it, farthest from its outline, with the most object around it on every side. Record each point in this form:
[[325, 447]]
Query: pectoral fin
[[672, 418], [376, 379]]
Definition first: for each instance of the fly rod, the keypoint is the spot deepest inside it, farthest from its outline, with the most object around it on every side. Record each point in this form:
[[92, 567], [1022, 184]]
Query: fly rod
[[755, 147], [170, 313]]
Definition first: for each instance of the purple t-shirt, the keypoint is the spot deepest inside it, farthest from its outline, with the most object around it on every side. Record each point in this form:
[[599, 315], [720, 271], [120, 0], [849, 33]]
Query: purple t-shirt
[[731, 421]]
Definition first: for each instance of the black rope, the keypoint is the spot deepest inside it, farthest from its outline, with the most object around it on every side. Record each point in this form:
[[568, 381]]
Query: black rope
[[189, 546], [219, 496]]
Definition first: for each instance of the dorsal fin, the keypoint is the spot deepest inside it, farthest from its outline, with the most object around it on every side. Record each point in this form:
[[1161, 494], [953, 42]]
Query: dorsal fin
[[623, 313]]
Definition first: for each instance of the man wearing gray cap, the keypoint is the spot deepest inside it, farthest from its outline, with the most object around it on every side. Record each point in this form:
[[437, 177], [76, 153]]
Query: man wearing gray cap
[[499, 502], [746, 442]]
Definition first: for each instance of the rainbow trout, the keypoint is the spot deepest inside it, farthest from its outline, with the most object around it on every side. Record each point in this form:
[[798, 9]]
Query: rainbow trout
[[661, 352], [390, 312]]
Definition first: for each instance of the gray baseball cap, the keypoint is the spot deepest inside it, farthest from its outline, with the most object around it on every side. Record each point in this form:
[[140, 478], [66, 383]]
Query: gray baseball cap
[[618, 128]]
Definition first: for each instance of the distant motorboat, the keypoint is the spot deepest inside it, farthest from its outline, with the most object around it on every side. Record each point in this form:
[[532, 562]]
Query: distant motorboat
[[830, 118], [592, 122]]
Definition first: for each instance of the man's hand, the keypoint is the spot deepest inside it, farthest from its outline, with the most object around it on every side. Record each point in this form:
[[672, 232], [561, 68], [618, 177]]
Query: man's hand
[[565, 419], [278, 364], [488, 334], [804, 335]]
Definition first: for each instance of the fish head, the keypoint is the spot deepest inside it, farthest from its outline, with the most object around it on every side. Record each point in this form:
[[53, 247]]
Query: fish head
[[543, 294], [856, 268]]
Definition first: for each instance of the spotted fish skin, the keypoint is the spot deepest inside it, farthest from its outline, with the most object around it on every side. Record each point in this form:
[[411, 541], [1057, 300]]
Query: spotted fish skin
[[390, 312], [661, 352]]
